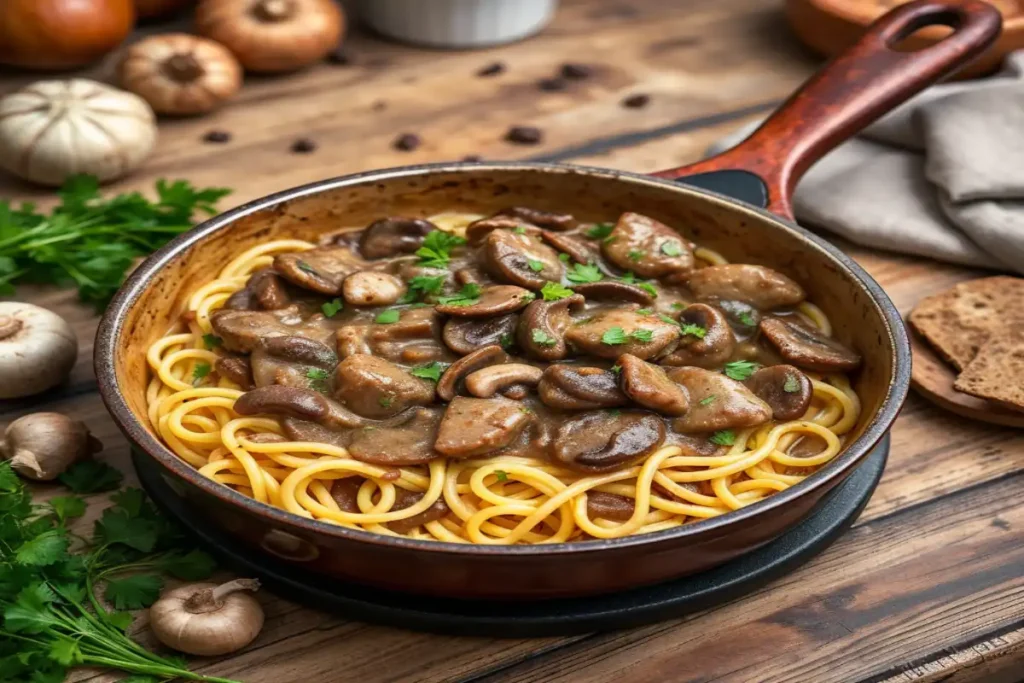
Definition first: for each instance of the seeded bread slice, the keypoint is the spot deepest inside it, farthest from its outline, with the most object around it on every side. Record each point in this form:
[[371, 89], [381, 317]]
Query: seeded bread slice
[[997, 371], [958, 321]]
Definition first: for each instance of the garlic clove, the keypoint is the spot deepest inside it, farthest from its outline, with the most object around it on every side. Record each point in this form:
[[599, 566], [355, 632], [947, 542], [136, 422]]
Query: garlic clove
[[41, 446]]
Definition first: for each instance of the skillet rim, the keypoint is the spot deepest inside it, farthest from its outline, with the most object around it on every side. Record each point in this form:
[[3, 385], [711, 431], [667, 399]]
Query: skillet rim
[[139, 437]]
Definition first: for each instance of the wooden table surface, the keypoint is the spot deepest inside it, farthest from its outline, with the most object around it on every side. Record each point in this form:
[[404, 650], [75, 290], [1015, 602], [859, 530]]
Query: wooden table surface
[[929, 584]]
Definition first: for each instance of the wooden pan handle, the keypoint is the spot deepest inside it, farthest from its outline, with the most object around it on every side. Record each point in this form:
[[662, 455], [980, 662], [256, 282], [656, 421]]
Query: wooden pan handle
[[851, 91]]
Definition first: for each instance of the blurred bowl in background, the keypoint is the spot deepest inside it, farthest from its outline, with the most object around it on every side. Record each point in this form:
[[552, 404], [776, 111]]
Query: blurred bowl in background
[[457, 23]]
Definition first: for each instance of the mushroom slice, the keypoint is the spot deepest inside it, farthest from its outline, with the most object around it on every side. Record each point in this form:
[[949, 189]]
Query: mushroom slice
[[711, 350], [413, 339], [759, 286], [372, 288], [542, 327], [609, 290], [646, 247], [784, 388], [609, 506], [410, 442], [610, 333], [451, 381], [393, 236], [543, 219], [649, 386], [404, 499], [521, 259], [478, 426], [741, 315], [264, 290], [376, 388], [600, 442], [323, 269], [242, 331], [477, 231], [578, 250], [570, 387], [491, 380], [236, 369], [466, 335], [304, 404], [717, 402], [807, 348], [493, 300], [291, 361]]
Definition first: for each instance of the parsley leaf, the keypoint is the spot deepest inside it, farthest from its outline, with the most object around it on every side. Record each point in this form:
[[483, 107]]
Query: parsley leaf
[[421, 286], [642, 335], [746, 318], [599, 231], [506, 341], [649, 288], [580, 273], [791, 385], [723, 437], [614, 336], [628, 277], [541, 337], [708, 400], [644, 311], [520, 230], [615, 369], [635, 256], [740, 370], [386, 401], [387, 317], [45, 549], [436, 249], [467, 296], [67, 507], [678, 305], [91, 476], [535, 266], [317, 379], [615, 412], [431, 371], [212, 341], [305, 267], [331, 308], [502, 475], [563, 257], [671, 248], [693, 330], [199, 373], [194, 565], [134, 592], [552, 291], [117, 526]]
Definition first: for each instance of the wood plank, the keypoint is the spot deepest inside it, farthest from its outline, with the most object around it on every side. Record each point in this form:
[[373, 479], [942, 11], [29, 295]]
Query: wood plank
[[885, 594], [994, 660]]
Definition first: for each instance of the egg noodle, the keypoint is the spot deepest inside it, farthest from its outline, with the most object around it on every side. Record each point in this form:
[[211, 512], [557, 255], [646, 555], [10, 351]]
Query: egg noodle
[[492, 500]]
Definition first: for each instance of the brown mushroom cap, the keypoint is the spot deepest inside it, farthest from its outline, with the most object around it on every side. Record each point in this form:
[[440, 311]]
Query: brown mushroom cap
[[759, 286], [242, 330], [544, 321], [393, 236], [543, 219], [610, 290], [600, 441], [589, 336], [236, 369], [807, 348], [784, 388], [410, 442], [521, 259], [492, 301], [571, 387], [465, 335], [649, 386], [609, 506], [742, 316], [289, 360], [303, 404], [646, 247], [323, 269], [451, 381], [372, 288], [711, 350], [267, 290], [487, 382], [717, 402], [376, 388], [579, 250], [477, 231], [477, 426]]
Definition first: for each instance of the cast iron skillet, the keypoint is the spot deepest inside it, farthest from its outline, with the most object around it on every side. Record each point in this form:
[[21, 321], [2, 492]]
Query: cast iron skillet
[[720, 203]]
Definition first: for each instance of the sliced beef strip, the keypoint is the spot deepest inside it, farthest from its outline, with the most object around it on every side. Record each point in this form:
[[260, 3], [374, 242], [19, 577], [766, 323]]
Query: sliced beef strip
[[474, 427], [807, 348], [717, 402], [322, 270], [649, 386], [589, 336], [376, 388], [648, 248], [761, 287], [241, 331], [345, 493], [408, 442], [303, 404]]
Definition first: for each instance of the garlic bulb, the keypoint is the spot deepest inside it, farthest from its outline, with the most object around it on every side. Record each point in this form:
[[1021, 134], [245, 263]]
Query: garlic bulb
[[54, 129], [38, 348]]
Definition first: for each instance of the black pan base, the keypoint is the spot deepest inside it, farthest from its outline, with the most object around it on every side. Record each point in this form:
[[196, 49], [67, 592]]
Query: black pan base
[[567, 616]]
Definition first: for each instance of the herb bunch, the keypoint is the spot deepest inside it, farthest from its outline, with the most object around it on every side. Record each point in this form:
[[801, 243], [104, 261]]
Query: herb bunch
[[50, 578], [92, 242]]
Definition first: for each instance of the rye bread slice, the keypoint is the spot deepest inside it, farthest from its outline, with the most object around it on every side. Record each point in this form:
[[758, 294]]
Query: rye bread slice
[[958, 321], [997, 371]]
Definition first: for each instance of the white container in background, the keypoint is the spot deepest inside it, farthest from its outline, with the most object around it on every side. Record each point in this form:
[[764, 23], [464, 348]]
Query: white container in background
[[457, 23]]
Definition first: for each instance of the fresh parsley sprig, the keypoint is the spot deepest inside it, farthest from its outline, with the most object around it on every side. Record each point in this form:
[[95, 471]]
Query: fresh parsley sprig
[[437, 247], [91, 242]]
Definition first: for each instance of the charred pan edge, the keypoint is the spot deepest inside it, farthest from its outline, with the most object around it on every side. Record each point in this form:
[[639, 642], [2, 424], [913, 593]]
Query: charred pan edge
[[830, 475]]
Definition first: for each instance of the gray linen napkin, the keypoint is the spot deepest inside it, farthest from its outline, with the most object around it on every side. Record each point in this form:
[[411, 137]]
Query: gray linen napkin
[[942, 176]]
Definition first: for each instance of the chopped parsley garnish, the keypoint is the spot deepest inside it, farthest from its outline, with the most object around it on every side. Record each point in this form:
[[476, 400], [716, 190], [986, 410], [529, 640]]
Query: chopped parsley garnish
[[600, 231], [331, 308], [437, 247], [671, 248], [467, 296], [644, 311], [386, 401], [212, 341], [745, 318], [580, 273], [740, 370], [421, 286], [525, 411], [535, 266], [614, 336], [306, 267], [791, 385], [615, 412], [431, 371], [616, 369], [635, 256], [520, 230], [723, 437], [502, 475], [708, 400], [693, 330], [649, 288], [552, 291], [199, 373], [628, 277], [506, 341], [642, 335], [678, 305], [541, 337], [563, 257], [317, 379], [387, 317], [667, 319]]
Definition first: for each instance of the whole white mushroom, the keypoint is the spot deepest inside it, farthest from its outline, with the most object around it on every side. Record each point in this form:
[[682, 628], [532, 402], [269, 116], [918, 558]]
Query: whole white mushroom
[[38, 348]]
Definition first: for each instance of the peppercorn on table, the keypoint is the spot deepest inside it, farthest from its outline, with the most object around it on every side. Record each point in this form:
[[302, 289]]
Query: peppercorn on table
[[927, 586]]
